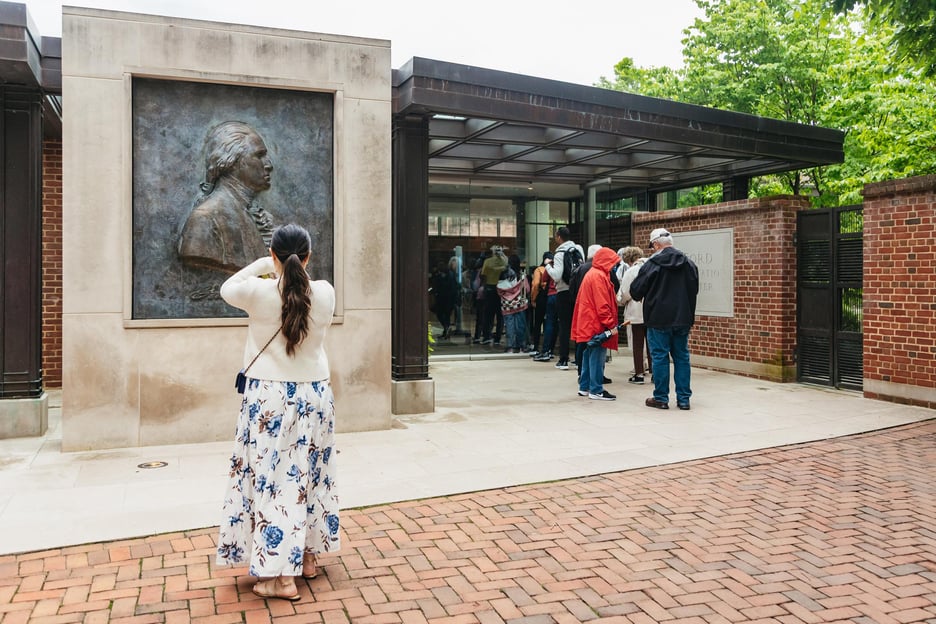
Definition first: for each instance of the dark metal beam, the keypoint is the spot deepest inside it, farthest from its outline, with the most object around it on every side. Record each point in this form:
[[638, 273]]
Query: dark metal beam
[[409, 343]]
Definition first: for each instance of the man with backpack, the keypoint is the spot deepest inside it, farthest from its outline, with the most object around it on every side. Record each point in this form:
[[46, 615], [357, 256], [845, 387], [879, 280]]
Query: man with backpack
[[567, 257]]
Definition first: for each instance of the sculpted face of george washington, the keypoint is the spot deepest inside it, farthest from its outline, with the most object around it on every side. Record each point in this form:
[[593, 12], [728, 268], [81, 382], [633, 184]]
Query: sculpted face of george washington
[[226, 230]]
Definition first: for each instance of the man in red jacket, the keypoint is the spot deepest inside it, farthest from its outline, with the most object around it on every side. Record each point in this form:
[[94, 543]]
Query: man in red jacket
[[594, 321]]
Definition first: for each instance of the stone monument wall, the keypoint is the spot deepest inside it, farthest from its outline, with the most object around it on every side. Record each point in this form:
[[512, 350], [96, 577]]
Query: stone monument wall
[[149, 357]]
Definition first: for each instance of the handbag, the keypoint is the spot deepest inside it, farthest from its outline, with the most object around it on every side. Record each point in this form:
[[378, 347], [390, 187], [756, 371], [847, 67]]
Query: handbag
[[240, 381]]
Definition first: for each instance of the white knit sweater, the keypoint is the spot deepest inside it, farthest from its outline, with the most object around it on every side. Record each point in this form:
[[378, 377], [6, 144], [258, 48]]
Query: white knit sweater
[[260, 298]]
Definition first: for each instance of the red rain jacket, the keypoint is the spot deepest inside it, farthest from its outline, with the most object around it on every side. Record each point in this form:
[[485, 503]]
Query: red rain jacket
[[596, 306]]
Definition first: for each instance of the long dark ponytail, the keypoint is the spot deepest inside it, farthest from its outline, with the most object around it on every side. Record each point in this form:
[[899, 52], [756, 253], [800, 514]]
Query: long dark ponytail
[[292, 244]]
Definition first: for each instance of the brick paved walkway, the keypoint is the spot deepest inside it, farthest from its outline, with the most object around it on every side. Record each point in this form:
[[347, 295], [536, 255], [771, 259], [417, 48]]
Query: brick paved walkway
[[835, 531]]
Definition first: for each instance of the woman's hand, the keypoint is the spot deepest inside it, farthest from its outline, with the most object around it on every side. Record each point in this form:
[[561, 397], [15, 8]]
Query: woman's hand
[[266, 266]]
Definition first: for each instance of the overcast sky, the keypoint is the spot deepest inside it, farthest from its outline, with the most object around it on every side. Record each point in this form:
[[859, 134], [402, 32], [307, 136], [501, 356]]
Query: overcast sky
[[573, 41]]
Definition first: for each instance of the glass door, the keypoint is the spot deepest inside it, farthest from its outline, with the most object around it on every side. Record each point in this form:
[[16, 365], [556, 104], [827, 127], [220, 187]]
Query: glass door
[[466, 221]]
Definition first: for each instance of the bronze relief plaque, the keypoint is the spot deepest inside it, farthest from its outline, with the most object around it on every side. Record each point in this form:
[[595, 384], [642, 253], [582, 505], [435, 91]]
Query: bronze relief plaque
[[216, 168]]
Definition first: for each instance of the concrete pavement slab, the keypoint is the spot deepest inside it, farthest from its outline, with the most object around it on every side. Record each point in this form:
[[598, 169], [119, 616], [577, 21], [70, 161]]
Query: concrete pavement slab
[[497, 423]]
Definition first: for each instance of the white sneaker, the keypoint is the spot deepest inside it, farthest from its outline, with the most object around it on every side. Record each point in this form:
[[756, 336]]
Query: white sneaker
[[583, 392]]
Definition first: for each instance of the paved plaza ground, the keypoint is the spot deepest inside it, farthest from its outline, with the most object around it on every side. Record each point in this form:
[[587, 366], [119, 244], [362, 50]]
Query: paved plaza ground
[[838, 530]]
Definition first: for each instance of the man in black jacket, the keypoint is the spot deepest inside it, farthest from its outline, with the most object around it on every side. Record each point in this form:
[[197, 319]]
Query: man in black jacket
[[668, 284]]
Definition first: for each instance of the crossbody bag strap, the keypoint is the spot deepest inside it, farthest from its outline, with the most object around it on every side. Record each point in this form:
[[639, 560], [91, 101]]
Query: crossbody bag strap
[[262, 350]]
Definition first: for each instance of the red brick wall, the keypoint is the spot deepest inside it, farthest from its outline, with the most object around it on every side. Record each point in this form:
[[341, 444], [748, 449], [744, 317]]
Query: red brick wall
[[760, 339], [52, 263], [900, 291]]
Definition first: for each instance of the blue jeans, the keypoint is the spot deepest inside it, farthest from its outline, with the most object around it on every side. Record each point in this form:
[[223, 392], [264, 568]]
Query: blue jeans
[[591, 370], [515, 325], [663, 343]]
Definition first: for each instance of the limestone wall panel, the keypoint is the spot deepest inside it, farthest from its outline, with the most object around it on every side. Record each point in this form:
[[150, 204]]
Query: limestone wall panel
[[93, 217], [207, 50], [100, 383], [359, 357], [93, 47], [181, 399], [367, 192]]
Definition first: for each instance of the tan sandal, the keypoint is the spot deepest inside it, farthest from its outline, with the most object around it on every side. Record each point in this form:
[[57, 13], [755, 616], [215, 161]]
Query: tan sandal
[[267, 589], [308, 561]]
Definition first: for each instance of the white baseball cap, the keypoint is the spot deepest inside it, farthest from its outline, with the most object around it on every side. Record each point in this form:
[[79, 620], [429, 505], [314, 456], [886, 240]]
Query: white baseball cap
[[658, 233]]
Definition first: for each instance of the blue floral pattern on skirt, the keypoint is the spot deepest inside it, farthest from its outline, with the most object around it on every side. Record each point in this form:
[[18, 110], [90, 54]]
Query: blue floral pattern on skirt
[[281, 499]]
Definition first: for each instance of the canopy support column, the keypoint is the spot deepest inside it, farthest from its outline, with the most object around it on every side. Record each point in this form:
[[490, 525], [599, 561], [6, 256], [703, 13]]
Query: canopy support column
[[413, 390]]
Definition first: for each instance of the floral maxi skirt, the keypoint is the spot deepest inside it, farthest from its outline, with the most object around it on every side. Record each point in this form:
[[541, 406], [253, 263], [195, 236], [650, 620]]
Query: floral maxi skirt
[[281, 499]]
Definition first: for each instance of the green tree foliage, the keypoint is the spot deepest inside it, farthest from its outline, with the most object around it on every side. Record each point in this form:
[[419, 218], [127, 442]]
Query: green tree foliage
[[661, 82], [764, 57], [800, 61], [700, 195], [887, 111], [912, 24]]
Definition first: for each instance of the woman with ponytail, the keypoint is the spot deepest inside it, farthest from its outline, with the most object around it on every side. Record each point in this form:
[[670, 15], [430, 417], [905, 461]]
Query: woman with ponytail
[[281, 504]]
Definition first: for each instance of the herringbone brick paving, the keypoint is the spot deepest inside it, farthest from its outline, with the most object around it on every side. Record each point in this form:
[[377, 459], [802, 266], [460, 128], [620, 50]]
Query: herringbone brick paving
[[841, 530]]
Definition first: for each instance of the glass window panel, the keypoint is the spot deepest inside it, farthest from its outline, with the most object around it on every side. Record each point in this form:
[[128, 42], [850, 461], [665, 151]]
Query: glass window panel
[[486, 226], [559, 212], [454, 226], [508, 228], [615, 208]]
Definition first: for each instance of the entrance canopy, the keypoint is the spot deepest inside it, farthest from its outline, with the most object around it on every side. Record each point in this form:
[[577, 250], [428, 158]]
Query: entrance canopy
[[494, 125]]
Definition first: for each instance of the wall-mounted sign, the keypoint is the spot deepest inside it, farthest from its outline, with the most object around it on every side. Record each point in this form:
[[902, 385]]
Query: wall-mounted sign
[[713, 253]]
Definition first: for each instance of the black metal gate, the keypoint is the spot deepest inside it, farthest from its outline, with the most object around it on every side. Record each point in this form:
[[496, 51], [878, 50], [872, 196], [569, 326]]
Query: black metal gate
[[829, 295]]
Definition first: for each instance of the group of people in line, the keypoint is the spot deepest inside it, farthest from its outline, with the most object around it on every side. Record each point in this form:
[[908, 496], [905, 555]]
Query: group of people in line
[[280, 508], [575, 297]]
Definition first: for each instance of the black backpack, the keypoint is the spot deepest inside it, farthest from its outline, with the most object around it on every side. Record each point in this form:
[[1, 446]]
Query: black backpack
[[571, 260]]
